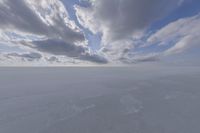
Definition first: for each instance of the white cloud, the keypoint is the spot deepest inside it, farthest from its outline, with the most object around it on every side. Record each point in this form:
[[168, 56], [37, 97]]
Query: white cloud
[[181, 34]]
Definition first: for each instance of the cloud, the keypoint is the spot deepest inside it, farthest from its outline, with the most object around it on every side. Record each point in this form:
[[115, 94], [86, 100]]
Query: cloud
[[117, 50], [24, 57], [122, 21], [46, 17], [61, 48], [17, 15], [140, 58], [118, 19], [58, 47], [94, 58], [53, 59], [179, 35], [44, 26], [152, 57]]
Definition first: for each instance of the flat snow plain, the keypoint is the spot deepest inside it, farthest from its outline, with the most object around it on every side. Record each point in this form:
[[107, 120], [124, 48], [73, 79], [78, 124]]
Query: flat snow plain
[[100, 100]]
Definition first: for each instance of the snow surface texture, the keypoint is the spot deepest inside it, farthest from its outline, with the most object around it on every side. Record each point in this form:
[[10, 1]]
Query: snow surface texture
[[99, 100]]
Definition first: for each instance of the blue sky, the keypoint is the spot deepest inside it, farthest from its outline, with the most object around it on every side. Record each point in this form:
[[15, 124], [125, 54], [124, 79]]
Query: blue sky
[[99, 32]]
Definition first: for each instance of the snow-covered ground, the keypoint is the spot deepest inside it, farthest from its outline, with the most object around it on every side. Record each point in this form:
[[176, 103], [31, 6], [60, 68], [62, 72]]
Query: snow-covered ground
[[100, 100]]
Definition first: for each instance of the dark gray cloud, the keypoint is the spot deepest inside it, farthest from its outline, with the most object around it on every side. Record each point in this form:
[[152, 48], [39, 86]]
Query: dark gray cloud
[[60, 47], [148, 58], [121, 18], [153, 57], [25, 57]]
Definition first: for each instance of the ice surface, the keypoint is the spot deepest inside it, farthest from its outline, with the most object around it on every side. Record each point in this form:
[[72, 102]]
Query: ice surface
[[100, 100]]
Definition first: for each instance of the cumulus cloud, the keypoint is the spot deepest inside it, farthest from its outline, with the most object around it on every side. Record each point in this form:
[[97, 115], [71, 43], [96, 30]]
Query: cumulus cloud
[[43, 25], [118, 19], [121, 21]]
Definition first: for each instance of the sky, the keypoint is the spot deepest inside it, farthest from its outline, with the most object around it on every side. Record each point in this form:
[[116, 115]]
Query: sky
[[99, 32]]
